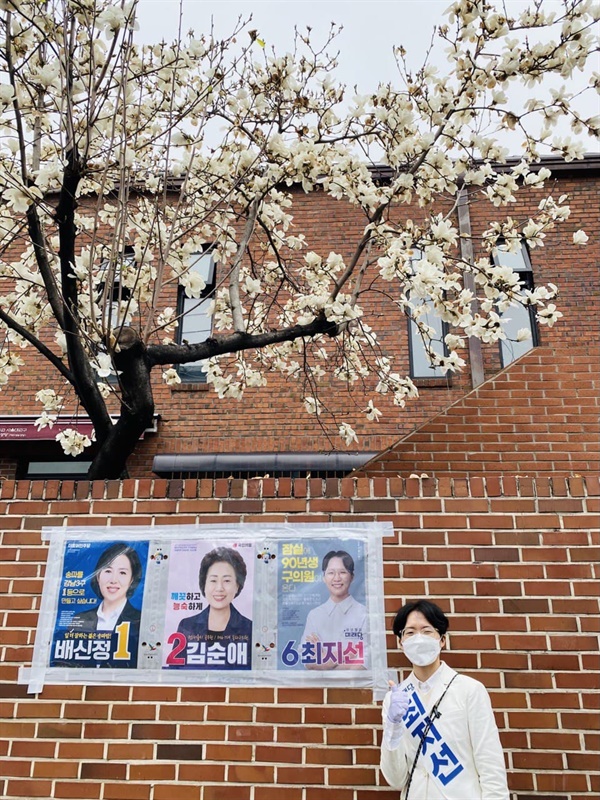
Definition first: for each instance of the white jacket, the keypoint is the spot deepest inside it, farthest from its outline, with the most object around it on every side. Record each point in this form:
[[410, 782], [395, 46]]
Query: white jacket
[[462, 758]]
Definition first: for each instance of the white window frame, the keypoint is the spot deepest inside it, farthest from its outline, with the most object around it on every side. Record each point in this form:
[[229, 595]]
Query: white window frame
[[195, 310], [517, 316], [420, 366]]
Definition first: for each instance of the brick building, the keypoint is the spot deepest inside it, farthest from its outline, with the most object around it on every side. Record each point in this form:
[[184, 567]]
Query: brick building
[[268, 431]]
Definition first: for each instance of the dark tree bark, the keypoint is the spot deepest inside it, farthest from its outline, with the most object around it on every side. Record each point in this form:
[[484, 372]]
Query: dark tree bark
[[134, 364], [84, 380], [236, 342], [137, 409]]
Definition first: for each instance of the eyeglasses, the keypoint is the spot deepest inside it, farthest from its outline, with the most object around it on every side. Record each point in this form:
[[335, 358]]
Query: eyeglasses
[[408, 632]]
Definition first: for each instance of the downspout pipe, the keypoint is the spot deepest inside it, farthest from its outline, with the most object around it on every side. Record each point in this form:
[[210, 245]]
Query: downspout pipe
[[466, 251]]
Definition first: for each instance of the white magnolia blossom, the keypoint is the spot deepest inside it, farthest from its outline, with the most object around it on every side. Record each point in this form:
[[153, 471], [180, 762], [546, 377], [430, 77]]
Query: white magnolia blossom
[[312, 405], [61, 341], [247, 375], [347, 433], [103, 365], [452, 362], [9, 365], [45, 420], [105, 389], [19, 199], [167, 322], [454, 342], [533, 233], [151, 189], [193, 284], [252, 285], [49, 399], [372, 413], [580, 237], [72, 442], [549, 315], [171, 377]]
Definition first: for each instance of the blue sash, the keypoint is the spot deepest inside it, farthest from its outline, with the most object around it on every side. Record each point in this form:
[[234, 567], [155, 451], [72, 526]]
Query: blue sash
[[438, 758]]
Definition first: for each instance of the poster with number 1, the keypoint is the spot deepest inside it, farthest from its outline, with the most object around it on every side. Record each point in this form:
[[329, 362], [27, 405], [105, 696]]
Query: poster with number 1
[[99, 605]]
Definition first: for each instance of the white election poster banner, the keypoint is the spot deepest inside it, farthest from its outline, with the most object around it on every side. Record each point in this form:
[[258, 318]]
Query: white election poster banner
[[294, 604]]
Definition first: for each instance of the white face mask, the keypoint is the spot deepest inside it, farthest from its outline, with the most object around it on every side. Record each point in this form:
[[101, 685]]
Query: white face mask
[[421, 650]]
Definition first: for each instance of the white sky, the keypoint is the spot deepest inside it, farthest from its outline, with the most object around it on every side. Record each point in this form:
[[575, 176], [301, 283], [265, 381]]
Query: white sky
[[370, 30], [370, 27]]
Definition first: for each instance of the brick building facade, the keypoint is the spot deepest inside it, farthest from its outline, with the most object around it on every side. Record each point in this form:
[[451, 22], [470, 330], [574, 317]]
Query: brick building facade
[[537, 417], [192, 421]]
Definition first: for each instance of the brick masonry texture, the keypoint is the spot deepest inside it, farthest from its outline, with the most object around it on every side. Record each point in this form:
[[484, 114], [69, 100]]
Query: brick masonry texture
[[513, 560], [538, 417]]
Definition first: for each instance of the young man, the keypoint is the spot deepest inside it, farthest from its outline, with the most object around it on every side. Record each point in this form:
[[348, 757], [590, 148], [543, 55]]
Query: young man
[[340, 620], [440, 740]]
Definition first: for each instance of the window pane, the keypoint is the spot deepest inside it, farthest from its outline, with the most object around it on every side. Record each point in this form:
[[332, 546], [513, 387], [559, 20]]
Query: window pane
[[57, 468], [518, 261], [192, 372], [420, 365], [204, 265], [196, 324], [112, 316], [513, 320]]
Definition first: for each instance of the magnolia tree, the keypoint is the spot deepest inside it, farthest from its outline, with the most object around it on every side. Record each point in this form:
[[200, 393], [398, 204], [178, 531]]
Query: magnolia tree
[[119, 161]]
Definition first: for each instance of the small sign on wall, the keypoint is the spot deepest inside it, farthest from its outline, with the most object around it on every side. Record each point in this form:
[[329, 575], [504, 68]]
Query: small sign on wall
[[295, 604]]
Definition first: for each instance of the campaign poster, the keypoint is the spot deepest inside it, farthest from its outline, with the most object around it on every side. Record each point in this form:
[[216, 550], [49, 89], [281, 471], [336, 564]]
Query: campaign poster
[[208, 613], [99, 605], [322, 614], [292, 604]]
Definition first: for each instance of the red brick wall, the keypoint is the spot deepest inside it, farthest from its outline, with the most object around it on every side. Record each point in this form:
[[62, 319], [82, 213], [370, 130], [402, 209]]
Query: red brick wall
[[513, 560], [538, 417]]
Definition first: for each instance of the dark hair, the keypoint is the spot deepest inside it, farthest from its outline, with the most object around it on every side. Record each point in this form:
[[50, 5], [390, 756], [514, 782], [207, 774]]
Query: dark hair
[[347, 560], [229, 556], [108, 556], [432, 613]]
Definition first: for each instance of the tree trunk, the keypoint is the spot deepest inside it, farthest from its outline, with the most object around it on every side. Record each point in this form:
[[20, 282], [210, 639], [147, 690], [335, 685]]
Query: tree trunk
[[137, 409]]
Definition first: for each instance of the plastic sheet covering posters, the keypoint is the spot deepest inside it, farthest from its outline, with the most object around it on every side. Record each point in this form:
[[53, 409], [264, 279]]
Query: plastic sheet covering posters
[[213, 604]]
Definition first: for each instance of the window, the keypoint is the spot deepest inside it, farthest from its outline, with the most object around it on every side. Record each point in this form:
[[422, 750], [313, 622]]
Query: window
[[517, 316], [114, 312], [196, 323], [117, 308], [420, 365], [63, 469]]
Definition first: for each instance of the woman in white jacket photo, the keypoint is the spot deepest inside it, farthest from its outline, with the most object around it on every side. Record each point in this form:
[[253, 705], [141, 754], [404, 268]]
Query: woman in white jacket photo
[[440, 739]]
